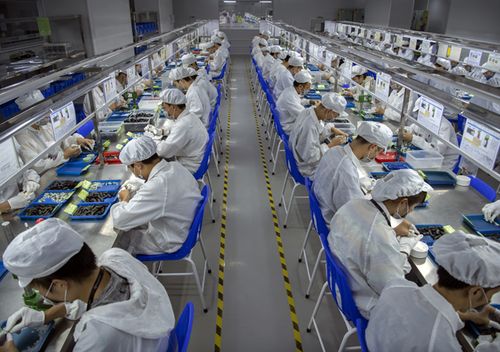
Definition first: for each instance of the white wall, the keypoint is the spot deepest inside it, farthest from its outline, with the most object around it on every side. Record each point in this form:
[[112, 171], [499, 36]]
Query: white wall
[[166, 9], [377, 12], [439, 15], [475, 19], [401, 13], [188, 11], [110, 24]]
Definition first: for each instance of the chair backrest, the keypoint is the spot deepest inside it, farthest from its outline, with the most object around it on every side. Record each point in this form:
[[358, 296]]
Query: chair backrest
[[205, 162], [339, 283], [291, 164], [193, 234], [482, 187], [214, 115], [180, 336], [219, 94], [316, 214], [277, 123], [222, 73]]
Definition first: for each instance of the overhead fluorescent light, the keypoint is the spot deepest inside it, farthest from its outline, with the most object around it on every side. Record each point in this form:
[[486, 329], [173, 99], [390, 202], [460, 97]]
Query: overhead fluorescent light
[[229, 2], [265, 2]]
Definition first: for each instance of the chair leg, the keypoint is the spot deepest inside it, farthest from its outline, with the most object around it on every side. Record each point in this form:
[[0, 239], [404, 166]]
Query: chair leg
[[276, 156], [282, 195], [216, 163], [287, 211], [198, 284], [202, 245], [306, 238], [315, 269], [316, 306], [210, 205]]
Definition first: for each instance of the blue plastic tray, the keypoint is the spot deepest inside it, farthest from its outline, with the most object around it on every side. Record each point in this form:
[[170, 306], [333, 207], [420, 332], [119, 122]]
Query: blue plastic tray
[[53, 182], [79, 161], [429, 240], [312, 96], [96, 217], [397, 165], [312, 67], [37, 199], [31, 339], [478, 224], [378, 174], [118, 116], [23, 215], [439, 178], [112, 185], [71, 170], [373, 117], [112, 199]]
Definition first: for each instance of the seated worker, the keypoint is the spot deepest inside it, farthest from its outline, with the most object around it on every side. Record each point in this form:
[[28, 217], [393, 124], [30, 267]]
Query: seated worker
[[256, 49], [186, 138], [340, 176], [490, 75], [280, 65], [307, 139], [225, 41], [284, 78], [427, 318], [158, 217], [289, 103], [12, 198], [99, 100], [405, 52], [217, 58], [394, 104], [122, 82], [198, 102], [202, 79], [359, 75], [261, 56], [423, 139], [363, 239], [117, 305], [269, 60], [263, 35]]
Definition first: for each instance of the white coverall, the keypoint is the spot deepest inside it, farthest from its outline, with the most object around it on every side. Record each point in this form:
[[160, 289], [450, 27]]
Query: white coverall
[[99, 100], [306, 141], [198, 103], [141, 323], [186, 141], [166, 204], [284, 79], [420, 320], [209, 88], [337, 180], [289, 106], [217, 63], [267, 64], [274, 73], [364, 242]]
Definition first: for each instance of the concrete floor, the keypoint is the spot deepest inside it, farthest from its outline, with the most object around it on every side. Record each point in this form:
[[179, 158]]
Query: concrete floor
[[256, 314]]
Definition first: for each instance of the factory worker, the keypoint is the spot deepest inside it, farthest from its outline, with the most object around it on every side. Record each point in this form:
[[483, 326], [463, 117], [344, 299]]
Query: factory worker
[[490, 76], [423, 139], [289, 103], [99, 100], [308, 135], [363, 239], [262, 35], [260, 56], [394, 104], [427, 318], [405, 52], [217, 61], [340, 176], [269, 60], [225, 42], [278, 67], [116, 303], [458, 69], [29, 99], [34, 140], [442, 64], [122, 82], [473, 72], [284, 78], [359, 75], [158, 217], [198, 102], [158, 63], [220, 48], [202, 79], [262, 43], [491, 211], [186, 138]]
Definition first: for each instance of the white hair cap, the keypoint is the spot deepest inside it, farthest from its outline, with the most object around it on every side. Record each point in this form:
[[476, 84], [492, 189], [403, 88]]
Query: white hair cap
[[188, 59], [443, 62], [179, 73], [358, 71], [266, 33], [334, 101], [375, 133], [41, 250], [282, 55], [262, 42], [303, 77], [138, 149], [295, 61], [398, 184], [266, 49], [173, 96], [469, 258], [221, 35], [216, 40], [275, 49]]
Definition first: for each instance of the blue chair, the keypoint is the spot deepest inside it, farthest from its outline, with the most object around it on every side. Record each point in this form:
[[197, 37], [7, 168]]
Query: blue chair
[[338, 281], [203, 173], [180, 336], [3, 271], [279, 137], [296, 177], [483, 188], [184, 253]]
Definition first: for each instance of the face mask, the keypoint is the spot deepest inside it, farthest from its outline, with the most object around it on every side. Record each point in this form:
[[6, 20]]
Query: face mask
[[368, 158], [474, 310], [398, 216]]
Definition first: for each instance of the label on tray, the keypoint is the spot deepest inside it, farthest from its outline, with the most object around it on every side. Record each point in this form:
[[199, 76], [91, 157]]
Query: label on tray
[[86, 168], [448, 229], [85, 184], [70, 209], [130, 134], [106, 143], [119, 146], [124, 141], [83, 194]]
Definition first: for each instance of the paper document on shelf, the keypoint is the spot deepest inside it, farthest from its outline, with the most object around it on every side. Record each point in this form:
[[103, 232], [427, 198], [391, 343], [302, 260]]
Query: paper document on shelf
[[430, 114], [63, 120], [9, 162], [475, 57], [109, 87], [131, 76], [494, 61], [144, 67], [382, 85], [481, 142]]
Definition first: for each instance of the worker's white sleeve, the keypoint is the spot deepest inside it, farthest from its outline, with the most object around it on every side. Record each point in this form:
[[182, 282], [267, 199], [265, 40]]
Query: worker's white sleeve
[[392, 114], [31, 175], [346, 188], [69, 141], [323, 148], [100, 337], [384, 261], [487, 346], [47, 163], [304, 102], [212, 93], [194, 106], [140, 210], [170, 147]]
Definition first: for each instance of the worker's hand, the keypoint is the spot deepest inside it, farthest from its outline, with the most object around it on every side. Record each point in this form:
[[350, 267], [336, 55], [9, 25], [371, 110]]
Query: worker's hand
[[407, 136], [30, 186], [404, 228], [21, 200], [72, 152], [154, 130], [86, 143], [326, 76], [124, 195], [338, 140], [479, 318], [491, 211], [8, 346], [338, 132], [379, 110], [367, 183], [322, 67], [347, 93], [24, 317]]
